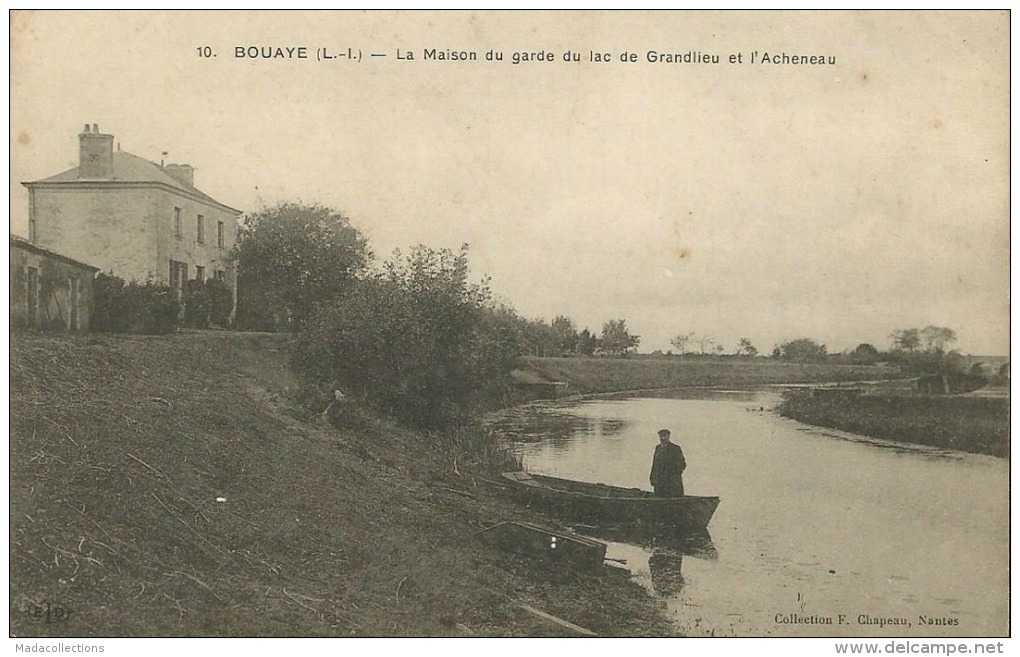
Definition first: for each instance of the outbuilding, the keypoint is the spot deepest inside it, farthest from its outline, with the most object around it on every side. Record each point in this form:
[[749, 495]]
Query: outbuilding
[[49, 290]]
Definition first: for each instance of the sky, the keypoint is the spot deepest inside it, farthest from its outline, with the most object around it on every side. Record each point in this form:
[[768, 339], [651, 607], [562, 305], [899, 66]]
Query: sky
[[745, 200]]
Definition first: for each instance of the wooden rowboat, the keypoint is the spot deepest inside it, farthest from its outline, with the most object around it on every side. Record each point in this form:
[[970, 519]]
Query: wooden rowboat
[[608, 504]]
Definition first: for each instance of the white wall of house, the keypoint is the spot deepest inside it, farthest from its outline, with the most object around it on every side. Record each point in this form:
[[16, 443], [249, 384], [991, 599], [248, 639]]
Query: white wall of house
[[111, 228]]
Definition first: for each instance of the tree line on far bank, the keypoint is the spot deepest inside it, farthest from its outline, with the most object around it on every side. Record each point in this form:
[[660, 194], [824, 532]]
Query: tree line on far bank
[[930, 355], [916, 351]]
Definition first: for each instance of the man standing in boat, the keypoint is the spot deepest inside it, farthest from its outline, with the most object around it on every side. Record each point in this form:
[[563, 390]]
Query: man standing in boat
[[668, 467]]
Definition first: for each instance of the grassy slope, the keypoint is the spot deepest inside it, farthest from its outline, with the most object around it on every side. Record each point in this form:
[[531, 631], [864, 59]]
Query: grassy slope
[[120, 447], [594, 375]]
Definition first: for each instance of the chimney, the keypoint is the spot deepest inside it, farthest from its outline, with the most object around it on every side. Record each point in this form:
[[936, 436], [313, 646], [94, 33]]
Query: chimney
[[95, 154], [184, 173]]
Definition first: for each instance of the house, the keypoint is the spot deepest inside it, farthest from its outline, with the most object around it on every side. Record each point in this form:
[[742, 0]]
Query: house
[[133, 218], [48, 290]]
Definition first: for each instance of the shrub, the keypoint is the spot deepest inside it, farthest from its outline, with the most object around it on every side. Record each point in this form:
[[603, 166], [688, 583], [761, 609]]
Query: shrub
[[121, 307], [417, 341], [221, 302], [207, 302], [254, 312], [197, 304]]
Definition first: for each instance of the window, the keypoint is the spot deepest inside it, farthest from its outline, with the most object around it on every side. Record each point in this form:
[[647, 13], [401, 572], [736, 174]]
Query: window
[[220, 275], [201, 229], [219, 234], [178, 228], [199, 273]]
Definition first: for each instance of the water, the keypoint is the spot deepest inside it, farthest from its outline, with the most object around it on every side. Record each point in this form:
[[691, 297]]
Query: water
[[813, 524]]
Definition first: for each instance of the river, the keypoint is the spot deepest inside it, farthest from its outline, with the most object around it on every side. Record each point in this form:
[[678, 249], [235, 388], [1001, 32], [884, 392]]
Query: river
[[818, 533]]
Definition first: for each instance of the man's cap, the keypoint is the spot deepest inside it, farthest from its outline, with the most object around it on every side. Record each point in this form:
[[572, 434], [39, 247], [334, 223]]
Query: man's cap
[[663, 432]]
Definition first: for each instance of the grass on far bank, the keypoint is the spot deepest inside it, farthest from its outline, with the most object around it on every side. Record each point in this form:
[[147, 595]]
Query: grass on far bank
[[967, 423], [598, 375]]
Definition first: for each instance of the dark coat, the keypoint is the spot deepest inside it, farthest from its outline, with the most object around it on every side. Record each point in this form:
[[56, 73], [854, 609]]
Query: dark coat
[[668, 467]]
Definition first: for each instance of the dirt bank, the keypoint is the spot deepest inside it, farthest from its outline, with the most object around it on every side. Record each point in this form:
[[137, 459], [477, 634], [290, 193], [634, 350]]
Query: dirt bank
[[164, 487]]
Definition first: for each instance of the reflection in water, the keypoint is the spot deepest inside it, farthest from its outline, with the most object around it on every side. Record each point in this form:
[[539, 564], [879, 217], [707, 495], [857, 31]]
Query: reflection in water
[[667, 558], [537, 422], [551, 424], [665, 567], [667, 548], [611, 426], [698, 545]]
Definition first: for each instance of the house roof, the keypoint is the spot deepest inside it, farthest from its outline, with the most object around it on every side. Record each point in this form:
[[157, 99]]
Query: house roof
[[128, 168], [34, 248]]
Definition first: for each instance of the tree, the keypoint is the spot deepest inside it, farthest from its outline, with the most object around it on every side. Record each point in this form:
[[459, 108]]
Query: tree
[[865, 354], [292, 256], [937, 338], [586, 343], [932, 359], [802, 350], [906, 339], [565, 333], [744, 347], [705, 343], [540, 338], [681, 341], [616, 340]]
